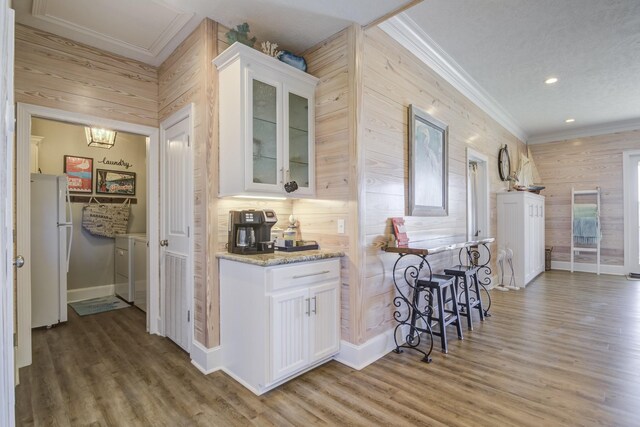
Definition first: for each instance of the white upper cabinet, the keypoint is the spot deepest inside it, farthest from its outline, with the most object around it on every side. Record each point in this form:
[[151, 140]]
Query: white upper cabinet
[[266, 125]]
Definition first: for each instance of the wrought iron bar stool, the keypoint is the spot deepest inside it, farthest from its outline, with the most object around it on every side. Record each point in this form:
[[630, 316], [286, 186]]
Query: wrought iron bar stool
[[439, 285], [466, 276]]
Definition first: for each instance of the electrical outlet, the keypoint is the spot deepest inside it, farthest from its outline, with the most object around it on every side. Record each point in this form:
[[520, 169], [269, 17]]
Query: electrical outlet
[[341, 226]]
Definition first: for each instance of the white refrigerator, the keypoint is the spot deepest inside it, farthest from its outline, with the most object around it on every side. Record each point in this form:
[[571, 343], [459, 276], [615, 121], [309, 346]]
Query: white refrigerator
[[51, 236]]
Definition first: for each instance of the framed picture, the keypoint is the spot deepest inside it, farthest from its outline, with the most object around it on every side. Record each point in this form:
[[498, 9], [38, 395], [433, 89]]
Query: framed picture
[[115, 182], [428, 165], [79, 172]]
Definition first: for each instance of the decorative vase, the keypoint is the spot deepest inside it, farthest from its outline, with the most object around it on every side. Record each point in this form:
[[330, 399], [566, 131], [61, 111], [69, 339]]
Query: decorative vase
[[293, 60]]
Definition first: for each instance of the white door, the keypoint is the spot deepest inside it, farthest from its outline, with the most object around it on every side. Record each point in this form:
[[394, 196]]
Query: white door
[[632, 211], [7, 370], [324, 328], [290, 313], [175, 235]]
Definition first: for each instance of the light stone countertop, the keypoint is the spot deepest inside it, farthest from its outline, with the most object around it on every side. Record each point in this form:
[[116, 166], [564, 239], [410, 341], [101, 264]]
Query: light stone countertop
[[279, 258]]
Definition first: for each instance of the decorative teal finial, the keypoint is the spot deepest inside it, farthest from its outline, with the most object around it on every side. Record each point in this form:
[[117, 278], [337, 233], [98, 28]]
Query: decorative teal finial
[[240, 34]]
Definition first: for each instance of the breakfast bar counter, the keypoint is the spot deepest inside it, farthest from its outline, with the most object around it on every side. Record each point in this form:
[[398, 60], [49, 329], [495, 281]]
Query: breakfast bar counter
[[439, 244], [411, 275]]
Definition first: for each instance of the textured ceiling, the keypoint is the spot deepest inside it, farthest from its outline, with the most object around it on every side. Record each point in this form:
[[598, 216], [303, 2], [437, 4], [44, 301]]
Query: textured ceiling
[[138, 29], [511, 46], [508, 47]]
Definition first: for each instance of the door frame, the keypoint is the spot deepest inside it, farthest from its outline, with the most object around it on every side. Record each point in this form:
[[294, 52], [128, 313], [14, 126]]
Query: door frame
[[628, 205], [483, 188], [186, 112], [8, 372], [23, 195]]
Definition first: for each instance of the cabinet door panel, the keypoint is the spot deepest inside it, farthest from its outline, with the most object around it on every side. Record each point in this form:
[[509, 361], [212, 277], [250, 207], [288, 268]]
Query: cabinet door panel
[[325, 327], [528, 236], [289, 326], [299, 139], [265, 162]]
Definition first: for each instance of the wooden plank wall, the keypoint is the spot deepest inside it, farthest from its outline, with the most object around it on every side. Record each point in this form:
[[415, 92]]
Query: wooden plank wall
[[55, 72], [187, 76], [329, 61], [394, 79], [585, 163]]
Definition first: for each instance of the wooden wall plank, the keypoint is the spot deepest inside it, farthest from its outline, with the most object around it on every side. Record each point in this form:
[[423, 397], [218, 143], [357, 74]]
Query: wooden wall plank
[[394, 79], [334, 176], [186, 78], [585, 163], [79, 50], [56, 72]]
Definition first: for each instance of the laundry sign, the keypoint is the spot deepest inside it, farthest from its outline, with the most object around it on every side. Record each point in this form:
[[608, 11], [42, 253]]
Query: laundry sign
[[120, 162]]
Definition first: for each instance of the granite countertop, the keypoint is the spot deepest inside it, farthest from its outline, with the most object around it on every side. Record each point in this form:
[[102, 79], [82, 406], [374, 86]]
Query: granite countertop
[[279, 258]]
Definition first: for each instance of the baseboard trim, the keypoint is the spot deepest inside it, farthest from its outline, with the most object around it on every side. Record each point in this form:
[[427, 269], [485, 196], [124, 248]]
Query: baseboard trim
[[360, 356], [588, 267], [82, 294], [207, 360]]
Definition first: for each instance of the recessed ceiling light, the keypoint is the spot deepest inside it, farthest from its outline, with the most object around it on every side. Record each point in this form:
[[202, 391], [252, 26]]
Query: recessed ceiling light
[[551, 80], [570, 120]]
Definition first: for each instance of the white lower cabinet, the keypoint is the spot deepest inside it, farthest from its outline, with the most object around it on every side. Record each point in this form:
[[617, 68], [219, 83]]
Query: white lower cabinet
[[521, 228], [278, 322]]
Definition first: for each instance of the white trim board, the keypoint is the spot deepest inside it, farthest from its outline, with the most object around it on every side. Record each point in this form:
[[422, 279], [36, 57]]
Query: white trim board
[[207, 360], [586, 131], [81, 294], [405, 31], [360, 356], [628, 198], [588, 267]]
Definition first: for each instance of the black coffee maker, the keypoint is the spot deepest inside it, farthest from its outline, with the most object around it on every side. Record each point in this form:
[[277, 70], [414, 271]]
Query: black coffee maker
[[250, 231]]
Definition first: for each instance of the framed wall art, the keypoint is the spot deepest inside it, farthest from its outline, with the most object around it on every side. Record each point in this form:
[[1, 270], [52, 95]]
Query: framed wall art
[[428, 165], [79, 171], [115, 182]]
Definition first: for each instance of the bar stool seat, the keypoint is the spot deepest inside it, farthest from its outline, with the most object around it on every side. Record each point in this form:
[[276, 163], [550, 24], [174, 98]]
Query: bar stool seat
[[440, 285], [468, 274]]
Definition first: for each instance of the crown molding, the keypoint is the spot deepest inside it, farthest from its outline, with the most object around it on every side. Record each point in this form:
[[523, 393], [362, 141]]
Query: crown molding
[[405, 31], [586, 131], [181, 19]]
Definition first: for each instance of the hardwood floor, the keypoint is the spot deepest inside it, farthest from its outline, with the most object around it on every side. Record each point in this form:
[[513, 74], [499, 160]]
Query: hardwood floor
[[564, 351]]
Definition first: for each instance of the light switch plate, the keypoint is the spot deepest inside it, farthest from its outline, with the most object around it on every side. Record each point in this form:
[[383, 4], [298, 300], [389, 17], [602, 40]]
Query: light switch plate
[[341, 226]]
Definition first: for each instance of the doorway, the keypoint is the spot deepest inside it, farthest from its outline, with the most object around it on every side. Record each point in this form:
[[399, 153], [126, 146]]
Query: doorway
[[92, 257], [176, 223], [477, 194], [25, 115], [631, 179]]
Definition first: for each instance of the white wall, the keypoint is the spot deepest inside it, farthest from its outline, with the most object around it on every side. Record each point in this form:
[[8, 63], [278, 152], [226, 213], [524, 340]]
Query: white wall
[[92, 257]]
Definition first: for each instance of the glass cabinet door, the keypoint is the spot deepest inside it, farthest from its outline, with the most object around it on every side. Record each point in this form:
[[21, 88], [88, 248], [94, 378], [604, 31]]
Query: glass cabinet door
[[265, 133], [298, 140]]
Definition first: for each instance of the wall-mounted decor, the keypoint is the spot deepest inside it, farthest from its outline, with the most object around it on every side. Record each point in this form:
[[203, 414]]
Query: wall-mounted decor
[[120, 162], [115, 182], [504, 163], [79, 172], [428, 165]]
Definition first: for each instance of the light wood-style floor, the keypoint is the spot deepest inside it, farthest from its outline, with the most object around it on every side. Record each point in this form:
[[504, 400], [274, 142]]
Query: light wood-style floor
[[565, 351]]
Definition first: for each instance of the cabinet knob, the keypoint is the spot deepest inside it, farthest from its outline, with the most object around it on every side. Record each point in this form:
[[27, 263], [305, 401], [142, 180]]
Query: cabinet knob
[[164, 243]]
